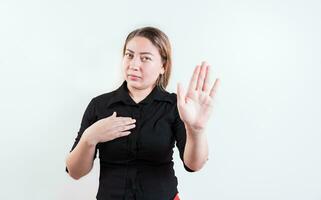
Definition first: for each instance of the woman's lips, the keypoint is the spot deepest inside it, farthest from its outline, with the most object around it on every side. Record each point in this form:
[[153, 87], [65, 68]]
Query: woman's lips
[[133, 77]]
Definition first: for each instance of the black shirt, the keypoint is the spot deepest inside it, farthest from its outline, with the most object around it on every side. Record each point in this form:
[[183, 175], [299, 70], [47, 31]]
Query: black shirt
[[138, 166]]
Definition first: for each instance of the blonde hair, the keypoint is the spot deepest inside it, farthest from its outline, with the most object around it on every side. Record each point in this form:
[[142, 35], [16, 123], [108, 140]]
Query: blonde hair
[[160, 40]]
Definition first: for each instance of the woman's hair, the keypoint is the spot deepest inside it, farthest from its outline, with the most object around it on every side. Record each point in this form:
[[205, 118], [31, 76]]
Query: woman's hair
[[160, 40]]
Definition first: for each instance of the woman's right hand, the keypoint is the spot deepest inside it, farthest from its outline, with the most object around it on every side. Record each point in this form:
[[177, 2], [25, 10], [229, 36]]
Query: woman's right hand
[[109, 128]]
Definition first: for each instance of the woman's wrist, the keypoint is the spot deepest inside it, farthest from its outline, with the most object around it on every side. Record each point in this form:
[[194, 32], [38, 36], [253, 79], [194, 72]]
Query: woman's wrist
[[192, 129], [89, 138]]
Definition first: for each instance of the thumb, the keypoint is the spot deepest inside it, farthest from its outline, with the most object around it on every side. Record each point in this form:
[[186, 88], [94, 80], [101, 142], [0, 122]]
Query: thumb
[[180, 94], [114, 114]]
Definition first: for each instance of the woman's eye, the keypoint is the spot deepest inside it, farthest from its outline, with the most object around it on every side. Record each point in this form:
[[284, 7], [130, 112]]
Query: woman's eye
[[128, 55], [146, 58]]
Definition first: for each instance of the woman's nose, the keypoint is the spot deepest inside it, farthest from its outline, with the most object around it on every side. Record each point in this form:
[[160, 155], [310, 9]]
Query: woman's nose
[[134, 64]]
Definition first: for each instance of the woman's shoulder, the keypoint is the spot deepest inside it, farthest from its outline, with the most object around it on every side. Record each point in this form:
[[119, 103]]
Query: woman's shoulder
[[103, 98], [173, 96], [166, 95]]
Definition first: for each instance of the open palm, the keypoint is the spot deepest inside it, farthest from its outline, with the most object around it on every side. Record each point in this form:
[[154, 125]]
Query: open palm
[[195, 106]]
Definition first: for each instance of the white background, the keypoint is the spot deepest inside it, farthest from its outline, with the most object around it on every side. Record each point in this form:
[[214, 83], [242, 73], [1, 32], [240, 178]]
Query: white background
[[264, 133]]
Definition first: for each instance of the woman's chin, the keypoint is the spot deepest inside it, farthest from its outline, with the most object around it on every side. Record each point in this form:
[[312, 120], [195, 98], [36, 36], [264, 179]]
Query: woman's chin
[[134, 84]]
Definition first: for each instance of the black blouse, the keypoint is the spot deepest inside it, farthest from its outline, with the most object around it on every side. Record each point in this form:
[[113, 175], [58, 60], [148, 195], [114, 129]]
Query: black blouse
[[138, 166]]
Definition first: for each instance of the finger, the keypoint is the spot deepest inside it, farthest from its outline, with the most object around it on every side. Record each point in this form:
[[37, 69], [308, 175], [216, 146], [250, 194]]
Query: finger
[[111, 117], [114, 114], [215, 87], [180, 94], [193, 81], [123, 119], [206, 84], [122, 134], [201, 76], [128, 121], [123, 122], [126, 127]]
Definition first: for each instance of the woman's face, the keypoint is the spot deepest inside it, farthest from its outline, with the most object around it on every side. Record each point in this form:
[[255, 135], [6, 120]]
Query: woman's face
[[142, 63]]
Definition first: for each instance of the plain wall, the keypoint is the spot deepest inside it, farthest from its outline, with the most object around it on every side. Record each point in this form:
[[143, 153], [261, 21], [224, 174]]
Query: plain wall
[[264, 133]]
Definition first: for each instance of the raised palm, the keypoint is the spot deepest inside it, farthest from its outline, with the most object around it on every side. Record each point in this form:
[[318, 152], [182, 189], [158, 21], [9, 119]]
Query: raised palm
[[195, 106]]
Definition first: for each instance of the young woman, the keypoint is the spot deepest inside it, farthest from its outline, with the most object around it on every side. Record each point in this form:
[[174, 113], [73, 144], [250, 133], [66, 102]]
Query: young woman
[[136, 127]]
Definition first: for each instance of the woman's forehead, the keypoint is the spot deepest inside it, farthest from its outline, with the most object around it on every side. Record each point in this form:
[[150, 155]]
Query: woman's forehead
[[141, 45]]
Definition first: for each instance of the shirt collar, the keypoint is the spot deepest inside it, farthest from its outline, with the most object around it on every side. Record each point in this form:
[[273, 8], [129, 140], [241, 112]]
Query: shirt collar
[[122, 95]]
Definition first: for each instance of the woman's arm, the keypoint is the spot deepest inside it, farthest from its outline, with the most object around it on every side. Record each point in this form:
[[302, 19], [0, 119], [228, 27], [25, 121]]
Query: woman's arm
[[80, 161], [196, 149], [195, 107]]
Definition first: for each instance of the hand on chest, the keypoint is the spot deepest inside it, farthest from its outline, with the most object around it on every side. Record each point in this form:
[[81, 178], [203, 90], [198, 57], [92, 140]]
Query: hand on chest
[[151, 139]]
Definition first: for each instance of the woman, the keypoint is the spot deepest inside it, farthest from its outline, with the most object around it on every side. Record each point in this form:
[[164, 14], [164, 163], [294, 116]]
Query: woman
[[135, 127]]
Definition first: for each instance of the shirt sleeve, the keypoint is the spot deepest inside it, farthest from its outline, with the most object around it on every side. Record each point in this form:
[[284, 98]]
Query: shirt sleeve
[[89, 117], [180, 136]]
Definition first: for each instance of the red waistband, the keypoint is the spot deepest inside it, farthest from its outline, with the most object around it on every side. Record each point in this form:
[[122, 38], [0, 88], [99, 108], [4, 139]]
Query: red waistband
[[176, 197]]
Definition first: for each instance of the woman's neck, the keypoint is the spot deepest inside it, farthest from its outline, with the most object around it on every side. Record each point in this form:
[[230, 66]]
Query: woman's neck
[[139, 94]]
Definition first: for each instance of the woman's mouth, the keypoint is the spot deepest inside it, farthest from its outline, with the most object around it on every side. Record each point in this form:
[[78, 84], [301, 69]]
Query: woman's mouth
[[133, 77]]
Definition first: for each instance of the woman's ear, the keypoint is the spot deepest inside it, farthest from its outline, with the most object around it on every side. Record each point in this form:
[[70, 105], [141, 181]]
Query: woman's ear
[[162, 69]]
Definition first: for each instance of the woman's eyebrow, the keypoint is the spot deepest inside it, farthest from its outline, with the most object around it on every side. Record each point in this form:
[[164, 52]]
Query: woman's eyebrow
[[149, 53], [131, 51]]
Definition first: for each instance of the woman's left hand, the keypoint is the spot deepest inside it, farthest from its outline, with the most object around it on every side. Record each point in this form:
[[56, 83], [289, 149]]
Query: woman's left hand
[[195, 106]]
